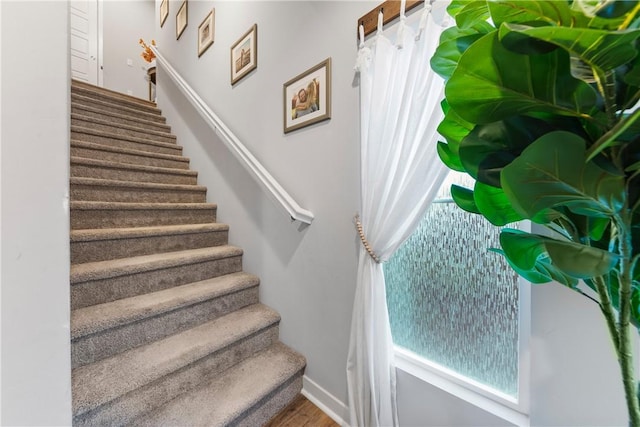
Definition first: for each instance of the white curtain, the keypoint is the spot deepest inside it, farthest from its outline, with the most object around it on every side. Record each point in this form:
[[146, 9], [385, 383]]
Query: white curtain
[[400, 176]]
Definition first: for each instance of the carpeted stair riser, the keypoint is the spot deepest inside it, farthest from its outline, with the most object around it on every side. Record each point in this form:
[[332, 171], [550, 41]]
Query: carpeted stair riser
[[132, 103], [113, 243], [104, 284], [118, 118], [121, 191], [111, 139], [246, 395], [220, 345], [89, 168], [127, 156], [150, 323], [115, 108], [125, 131], [100, 215]]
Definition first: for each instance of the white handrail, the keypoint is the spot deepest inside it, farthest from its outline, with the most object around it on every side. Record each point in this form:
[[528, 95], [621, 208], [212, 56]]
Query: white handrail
[[260, 174]]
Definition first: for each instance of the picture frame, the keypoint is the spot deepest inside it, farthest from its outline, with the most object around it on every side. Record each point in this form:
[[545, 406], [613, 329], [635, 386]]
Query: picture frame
[[244, 55], [181, 19], [307, 97], [206, 32], [164, 12]]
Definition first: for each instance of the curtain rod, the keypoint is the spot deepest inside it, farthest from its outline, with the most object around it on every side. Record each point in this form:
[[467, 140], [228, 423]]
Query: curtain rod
[[390, 11]]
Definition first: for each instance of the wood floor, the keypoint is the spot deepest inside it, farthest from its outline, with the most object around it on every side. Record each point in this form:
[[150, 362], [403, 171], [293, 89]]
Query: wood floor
[[302, 413]]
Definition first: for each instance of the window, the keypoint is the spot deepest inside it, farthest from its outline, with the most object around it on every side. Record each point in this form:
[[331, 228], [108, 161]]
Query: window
[[453, 302]]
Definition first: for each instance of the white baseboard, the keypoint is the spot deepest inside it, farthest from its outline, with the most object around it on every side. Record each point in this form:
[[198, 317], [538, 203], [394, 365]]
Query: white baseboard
[[324, 400]]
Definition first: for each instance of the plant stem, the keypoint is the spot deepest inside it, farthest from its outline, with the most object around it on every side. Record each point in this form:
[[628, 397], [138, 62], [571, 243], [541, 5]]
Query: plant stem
[[607, 310], [608, 138], [625, 353], [630, 17]]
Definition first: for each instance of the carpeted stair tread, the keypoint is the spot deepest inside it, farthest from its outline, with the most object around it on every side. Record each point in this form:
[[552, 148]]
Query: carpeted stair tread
[[121, 171], [93, 205], [126, 266], [139, 320], [89, 215], [181, 162], [89, 112], [115, 97], [110, 190], [78, 100], [100, 244], [132, 232], [119, 130], [106, 380], [164, 130], [90, 320], [75, 84], [110, 137], [233, 395], [99, 182]]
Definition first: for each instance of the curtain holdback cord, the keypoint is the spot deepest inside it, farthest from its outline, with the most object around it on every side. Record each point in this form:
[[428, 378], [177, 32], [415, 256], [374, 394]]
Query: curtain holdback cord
[[364, 241]]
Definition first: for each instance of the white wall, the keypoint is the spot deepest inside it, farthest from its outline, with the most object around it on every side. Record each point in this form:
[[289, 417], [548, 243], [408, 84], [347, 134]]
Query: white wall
[[309, 275], [124, 23], [36, 369]]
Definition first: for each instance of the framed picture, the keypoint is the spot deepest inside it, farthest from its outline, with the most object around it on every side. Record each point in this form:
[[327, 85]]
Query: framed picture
[[244, 54], [181, 19], [164, 11], [206, 32], [307, 97]]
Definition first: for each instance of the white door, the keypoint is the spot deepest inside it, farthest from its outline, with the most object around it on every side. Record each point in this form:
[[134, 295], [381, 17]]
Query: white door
[[83, 17]]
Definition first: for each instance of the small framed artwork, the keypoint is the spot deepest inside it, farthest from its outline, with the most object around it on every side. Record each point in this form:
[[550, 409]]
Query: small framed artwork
[[206, 31], [164, 11], [181, 19], [307, 97], [244, 54]]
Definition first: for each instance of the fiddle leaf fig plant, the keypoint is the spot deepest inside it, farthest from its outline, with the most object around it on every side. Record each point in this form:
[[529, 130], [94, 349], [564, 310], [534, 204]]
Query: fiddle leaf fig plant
[[541, 110]]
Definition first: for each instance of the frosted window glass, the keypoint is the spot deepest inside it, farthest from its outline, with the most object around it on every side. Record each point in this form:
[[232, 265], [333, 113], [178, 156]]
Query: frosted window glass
[[453, 302]]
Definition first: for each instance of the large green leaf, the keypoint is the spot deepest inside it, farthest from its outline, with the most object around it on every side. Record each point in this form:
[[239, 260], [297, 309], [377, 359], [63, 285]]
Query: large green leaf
[[454, 32], [541, 272], [489, 148], [494, 205], [472, 13], [615, 8], [604, 50], [530, 260], [456, 6], [453, 127], [491, 83], [448, 157], [573, 259], [464, 199], [553, 172], [578, 260], [518, 11], [584, 14], [445, 59]]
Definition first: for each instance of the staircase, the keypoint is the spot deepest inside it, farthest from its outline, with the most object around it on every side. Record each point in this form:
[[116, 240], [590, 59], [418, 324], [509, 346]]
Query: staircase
[[166, 328]]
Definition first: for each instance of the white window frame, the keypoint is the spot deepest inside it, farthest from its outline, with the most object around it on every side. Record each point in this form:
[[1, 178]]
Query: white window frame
[[511, 409]]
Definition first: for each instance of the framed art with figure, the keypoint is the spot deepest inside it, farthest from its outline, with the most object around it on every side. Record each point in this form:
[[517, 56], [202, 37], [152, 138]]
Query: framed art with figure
[[244, 55], [307, 97]]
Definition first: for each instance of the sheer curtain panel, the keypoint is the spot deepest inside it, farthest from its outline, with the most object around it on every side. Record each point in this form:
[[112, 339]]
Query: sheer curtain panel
[[400, 176]]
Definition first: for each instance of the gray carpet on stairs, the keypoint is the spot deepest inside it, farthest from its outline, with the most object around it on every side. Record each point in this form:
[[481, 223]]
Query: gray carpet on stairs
[[166, 327]]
